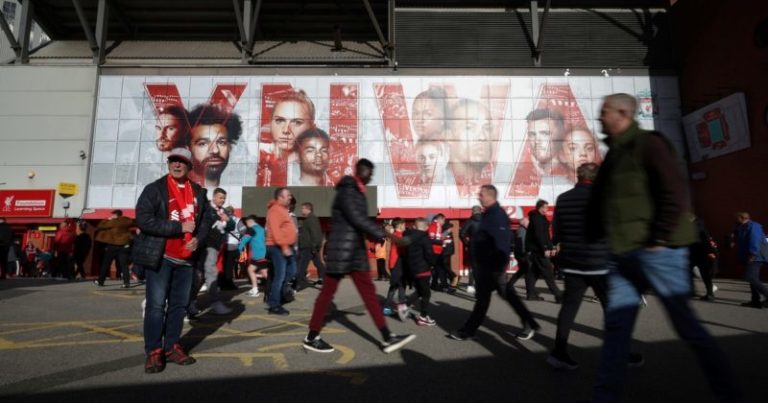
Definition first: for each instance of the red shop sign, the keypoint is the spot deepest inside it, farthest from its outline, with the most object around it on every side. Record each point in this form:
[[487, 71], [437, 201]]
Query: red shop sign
[[26, 203]]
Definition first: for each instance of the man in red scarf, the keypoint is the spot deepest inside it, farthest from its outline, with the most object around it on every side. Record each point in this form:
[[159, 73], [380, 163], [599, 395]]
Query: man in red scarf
[[174, 217]]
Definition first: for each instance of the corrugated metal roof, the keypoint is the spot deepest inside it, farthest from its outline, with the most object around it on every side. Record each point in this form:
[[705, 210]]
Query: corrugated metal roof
[[175, 50], [571, 38]]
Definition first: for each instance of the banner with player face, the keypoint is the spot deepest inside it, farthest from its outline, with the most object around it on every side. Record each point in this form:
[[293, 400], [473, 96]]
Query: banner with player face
[[434, 140]]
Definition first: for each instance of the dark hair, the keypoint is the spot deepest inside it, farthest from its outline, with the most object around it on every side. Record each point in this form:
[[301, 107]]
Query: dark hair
[[312, 133], [279, 191], [438, 215], [397, 221], [219, 191], [587, 171], [540, 203], [208, 114], [363, 163], [308, 205], [251, 217], [491, 189], [118, 213], [555, 116]]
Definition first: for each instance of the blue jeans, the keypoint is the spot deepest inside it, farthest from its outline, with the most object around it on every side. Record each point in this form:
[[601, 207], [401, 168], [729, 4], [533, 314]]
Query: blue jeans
[[170, 283], [752, 275], [666, 271], [283, 269]]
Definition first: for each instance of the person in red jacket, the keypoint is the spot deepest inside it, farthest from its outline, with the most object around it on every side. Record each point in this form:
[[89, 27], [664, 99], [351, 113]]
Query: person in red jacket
[[396, 283], [63, 246], [440, 274]]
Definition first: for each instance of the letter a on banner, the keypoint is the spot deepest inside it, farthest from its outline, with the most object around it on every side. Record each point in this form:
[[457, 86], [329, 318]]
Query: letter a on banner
[[557, 104]]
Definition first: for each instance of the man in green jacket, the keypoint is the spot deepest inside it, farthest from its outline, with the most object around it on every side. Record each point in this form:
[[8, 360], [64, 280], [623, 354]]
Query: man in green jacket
[[310, 242], [640, 201]]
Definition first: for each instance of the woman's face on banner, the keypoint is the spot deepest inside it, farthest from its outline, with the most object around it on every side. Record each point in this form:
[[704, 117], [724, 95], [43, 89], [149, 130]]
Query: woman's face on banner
[[289, 119], [579, 147], [470, 136], [429, 156], [428, 118]]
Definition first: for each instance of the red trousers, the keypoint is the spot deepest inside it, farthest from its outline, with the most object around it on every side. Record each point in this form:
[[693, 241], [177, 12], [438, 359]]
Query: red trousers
[[365, 288]]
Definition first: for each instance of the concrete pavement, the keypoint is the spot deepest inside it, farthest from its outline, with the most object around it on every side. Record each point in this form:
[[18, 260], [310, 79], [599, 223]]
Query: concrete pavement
[[72, 341]]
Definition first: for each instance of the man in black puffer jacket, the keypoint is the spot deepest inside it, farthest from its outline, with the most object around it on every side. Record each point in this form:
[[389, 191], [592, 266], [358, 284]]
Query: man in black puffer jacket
[[346, 255], [584, 263]]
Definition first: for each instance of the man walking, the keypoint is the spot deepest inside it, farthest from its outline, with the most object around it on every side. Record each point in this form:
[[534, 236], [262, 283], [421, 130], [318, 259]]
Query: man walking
[[584, 263], [115, 233], [491, 245], [346, 255], [174, 218], [539, 249], [751, 250], [281, 236], [523, 266], [465, 234], [639, 204], [310, 242], [214, 244]]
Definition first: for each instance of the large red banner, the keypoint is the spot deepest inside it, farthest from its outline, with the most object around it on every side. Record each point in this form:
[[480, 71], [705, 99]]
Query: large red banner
[[26, 203]]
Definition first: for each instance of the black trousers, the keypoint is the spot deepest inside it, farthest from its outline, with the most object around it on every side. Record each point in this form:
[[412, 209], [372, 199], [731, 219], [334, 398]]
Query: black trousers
[[62, 266], [305, 256], [575, 287], [80, 266], [486, 282], [442, 274], [396, 284], [230, 261], [3, 261], [707, 269], [381, 269], [524, 269], [424, 292], [120, 254], [541, 265]]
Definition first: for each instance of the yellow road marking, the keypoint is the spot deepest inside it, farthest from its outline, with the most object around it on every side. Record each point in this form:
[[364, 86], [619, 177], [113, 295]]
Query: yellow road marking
[[278, 359], [347, 354]]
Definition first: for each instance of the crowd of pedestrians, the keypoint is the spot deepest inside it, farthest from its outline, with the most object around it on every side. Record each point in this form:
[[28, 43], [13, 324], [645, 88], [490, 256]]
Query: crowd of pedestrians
[[625, 228]]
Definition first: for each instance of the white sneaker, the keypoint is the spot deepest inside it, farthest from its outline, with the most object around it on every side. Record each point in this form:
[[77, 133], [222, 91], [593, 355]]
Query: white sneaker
[[471, 290], [204, 288], [254, 292], [714, 287], [143, 308]]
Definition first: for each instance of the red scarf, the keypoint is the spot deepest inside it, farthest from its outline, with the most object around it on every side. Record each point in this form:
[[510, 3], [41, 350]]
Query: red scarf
[[360, 184], [181, 207]]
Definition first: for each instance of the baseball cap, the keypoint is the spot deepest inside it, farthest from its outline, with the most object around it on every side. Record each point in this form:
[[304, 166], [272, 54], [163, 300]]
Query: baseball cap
[[182, 154]]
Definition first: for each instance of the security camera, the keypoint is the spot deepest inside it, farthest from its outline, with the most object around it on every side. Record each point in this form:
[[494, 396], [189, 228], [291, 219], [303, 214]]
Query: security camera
[[31, 174], [82, 155]]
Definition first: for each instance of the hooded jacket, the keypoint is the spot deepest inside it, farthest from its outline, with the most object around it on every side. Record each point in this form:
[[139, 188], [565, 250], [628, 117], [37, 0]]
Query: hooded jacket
[[346, 246]]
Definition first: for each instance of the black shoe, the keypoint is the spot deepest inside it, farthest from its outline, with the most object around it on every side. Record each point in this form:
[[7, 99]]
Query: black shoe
[[319, 282], [752, 304], [460, 335], [635, 360], [125, 286], [562, 361], [451, 291], [278, 310], [97, 283], [317, 345], [395, 342], [708, 297], [534, 298]]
